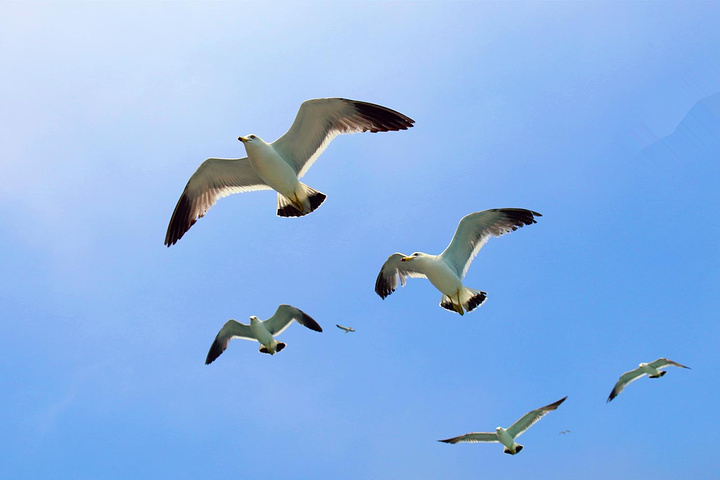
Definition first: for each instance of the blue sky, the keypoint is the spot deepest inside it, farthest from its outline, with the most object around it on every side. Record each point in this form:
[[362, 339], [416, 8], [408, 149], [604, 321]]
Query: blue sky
[[604, 117]]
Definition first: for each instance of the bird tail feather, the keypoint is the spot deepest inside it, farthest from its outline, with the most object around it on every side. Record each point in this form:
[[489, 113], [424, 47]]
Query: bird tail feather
[[286, 208], [662, 372], [469, 300]]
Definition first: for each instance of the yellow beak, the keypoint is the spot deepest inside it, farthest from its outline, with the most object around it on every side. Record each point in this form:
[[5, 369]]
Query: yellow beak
[[406, 259], [243, 139]]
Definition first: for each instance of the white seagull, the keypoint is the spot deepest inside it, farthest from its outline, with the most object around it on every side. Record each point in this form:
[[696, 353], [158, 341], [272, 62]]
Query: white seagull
[[507, 437], [347, 329], [652, 370], [278, 165], [261, 331], [446, 271]]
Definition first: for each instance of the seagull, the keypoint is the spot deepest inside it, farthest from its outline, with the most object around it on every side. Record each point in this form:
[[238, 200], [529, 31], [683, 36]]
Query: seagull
[[652, 370], [507, 437], [278, 165], [347, 329], [261, 331], [564, 432], [445, 271]]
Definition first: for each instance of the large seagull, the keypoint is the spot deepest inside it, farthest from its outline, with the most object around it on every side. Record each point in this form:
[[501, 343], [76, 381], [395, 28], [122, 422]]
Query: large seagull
[[507, 436], [446, 271], [279, 165], [261, 331], [652, 370]]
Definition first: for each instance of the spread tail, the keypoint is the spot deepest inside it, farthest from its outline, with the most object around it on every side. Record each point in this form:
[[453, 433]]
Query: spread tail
[[289, 208], [517, 446], [469, 300]]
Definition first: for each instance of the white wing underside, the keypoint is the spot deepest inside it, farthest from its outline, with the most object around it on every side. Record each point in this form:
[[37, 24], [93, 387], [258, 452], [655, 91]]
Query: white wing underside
[[475, 437], [475, 229], [394, 269], [214, 179], [531, 418], [627, 378], [233, 329], [665, 362], [320, 120], [284, 316]]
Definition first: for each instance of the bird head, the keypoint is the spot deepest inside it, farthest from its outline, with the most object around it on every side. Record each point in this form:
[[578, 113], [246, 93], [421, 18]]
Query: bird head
[[249, 139], [642, 365], [412, 257], [253, 319], [498, 429]]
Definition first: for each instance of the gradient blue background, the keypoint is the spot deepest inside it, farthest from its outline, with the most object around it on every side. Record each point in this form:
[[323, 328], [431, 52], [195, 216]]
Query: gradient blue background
[[604, 117]]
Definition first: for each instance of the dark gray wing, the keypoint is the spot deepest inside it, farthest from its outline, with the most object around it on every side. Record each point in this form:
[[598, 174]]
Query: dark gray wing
[[320, 120], [214, 179], [230, 330], [283, 317], [392, 270], [475, 230], [531, 418]]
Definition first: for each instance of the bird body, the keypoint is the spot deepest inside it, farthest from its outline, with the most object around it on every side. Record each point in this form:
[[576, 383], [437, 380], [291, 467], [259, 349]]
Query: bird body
[[263, 335], [446, 271], [511, 446], [260, 331], [346, 329], [279, 165], [507, 436]]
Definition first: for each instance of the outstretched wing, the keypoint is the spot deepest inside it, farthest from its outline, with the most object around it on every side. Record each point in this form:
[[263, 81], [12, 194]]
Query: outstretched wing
[[320, 120], [230, 330], [392, 269], [475, 230], [284, 315], [531, 418], [214, 179], [625, 379], [474, 437], [664, 362]]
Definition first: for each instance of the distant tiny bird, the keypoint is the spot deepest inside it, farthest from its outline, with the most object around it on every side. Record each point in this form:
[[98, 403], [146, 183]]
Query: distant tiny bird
[[446, 271], [278, 165], [261, 331], [347, 329], [564, 432], [652, 370], [507, 437]]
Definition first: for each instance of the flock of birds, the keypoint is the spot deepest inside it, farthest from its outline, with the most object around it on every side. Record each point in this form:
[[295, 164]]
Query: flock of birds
[[280, 165]]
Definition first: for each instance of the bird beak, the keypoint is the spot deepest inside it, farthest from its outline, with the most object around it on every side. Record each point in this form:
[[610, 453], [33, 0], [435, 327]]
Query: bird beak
[[242, 139], [406, 259]]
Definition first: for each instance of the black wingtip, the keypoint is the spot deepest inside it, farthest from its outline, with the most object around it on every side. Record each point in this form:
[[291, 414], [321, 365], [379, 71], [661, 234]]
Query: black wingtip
[[214, 352], [310, 322], [383, 119], [382, 287], [180, 222]]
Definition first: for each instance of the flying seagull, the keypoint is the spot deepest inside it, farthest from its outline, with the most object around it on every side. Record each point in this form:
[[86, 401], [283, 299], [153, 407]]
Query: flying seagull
[[564, 432], [445, 271], [507, 437], [261, 331], [347, 329], [652, 370], [278, 165]]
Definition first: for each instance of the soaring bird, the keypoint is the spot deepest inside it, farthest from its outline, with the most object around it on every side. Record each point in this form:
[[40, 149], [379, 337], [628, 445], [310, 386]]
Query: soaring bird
[[261, 331], [446, 271], [652, 370], [347, 329], [507, 437], [280, 165]]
